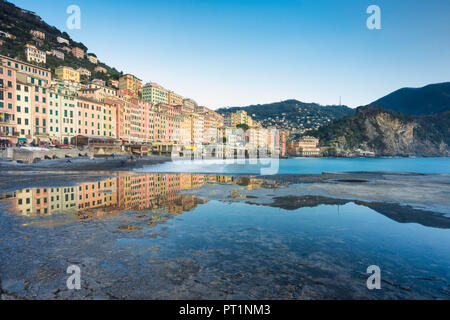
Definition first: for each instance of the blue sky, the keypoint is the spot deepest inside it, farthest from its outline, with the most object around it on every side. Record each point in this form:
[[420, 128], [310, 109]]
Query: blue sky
[[235, 53]]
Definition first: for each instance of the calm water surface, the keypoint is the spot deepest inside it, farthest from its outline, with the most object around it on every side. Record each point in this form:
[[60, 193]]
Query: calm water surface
[[136, 236], [306, 165]]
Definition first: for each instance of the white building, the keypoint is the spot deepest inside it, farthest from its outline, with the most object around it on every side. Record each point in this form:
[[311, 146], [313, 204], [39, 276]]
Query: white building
[[33, 54], [62, 40], [58, 54], [84, 72], [92, 58]]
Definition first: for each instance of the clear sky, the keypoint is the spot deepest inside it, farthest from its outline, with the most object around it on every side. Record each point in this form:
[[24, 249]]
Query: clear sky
[[241, 52]]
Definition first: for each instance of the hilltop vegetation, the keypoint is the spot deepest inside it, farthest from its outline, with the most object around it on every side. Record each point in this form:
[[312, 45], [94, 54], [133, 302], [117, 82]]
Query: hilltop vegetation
[[430, 99], [292, 114], [19, 22]]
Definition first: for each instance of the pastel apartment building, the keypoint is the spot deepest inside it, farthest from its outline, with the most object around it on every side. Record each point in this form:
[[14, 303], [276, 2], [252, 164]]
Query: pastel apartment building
[[23, 99], [91, 121], [37, 34], [58, 54], [100, 69], [304, 147], [62, 40], [130, 83], [114, 83], [33, 54], [154, 93], [175, 99], [166, 123], [8, 124], [24, 111], [92, 58], [62, 112], [237, 118], [67, 74], [97, 91], [78, 52], [84, 72], [189, 105]]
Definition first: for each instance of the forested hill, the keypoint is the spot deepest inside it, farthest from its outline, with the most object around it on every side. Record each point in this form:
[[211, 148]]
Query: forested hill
[[292, 114], [433, 98], [18, 22]]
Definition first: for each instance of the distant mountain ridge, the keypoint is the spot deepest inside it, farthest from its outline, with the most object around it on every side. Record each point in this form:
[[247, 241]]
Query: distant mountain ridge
[[431, 99], [292, 114]]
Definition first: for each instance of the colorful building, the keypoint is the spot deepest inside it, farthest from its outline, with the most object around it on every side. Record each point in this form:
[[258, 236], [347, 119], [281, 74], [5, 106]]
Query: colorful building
[[37, 34], [62, 111], [90, 117], [58, 54], [100, 69], [32, 78], [304, 147], [240, 117], [166, 123], [130, 83], [92, 58], [33, 54], [154, 93], [78, 52], [67, 74], [84, 72], [175, 99]]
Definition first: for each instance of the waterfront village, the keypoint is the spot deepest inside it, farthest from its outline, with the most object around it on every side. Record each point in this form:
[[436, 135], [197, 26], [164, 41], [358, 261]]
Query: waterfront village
[[48, 114]]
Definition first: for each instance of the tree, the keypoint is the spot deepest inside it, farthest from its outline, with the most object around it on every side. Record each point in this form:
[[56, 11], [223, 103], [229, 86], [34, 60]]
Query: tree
[[243, 126]]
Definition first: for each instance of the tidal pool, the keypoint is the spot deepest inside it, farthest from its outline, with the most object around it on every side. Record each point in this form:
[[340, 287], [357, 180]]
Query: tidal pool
[[135, 236]]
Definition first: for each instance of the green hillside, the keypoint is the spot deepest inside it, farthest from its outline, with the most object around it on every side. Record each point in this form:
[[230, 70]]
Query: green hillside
[[431, 99], [293, 114], [19, 22]]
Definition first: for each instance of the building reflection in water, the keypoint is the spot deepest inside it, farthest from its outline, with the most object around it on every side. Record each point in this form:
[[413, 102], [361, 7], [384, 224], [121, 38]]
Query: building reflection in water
[[127, 191]]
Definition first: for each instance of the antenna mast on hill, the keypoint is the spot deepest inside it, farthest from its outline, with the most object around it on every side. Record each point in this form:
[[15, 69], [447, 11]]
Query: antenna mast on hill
[[340, 101]]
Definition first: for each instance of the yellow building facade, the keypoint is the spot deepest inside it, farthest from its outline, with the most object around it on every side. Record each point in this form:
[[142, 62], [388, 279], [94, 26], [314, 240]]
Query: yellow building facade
[[67, 74]]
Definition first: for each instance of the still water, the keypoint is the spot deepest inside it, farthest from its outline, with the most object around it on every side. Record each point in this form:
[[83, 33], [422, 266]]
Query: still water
[[305, 165], [135, 236]]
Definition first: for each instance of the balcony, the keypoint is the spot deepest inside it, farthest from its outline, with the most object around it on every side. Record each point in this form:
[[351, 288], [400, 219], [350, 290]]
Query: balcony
[[4, 118]]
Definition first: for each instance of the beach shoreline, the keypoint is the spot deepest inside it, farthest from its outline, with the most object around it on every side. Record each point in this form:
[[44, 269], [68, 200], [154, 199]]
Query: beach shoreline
[[118, 163]]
